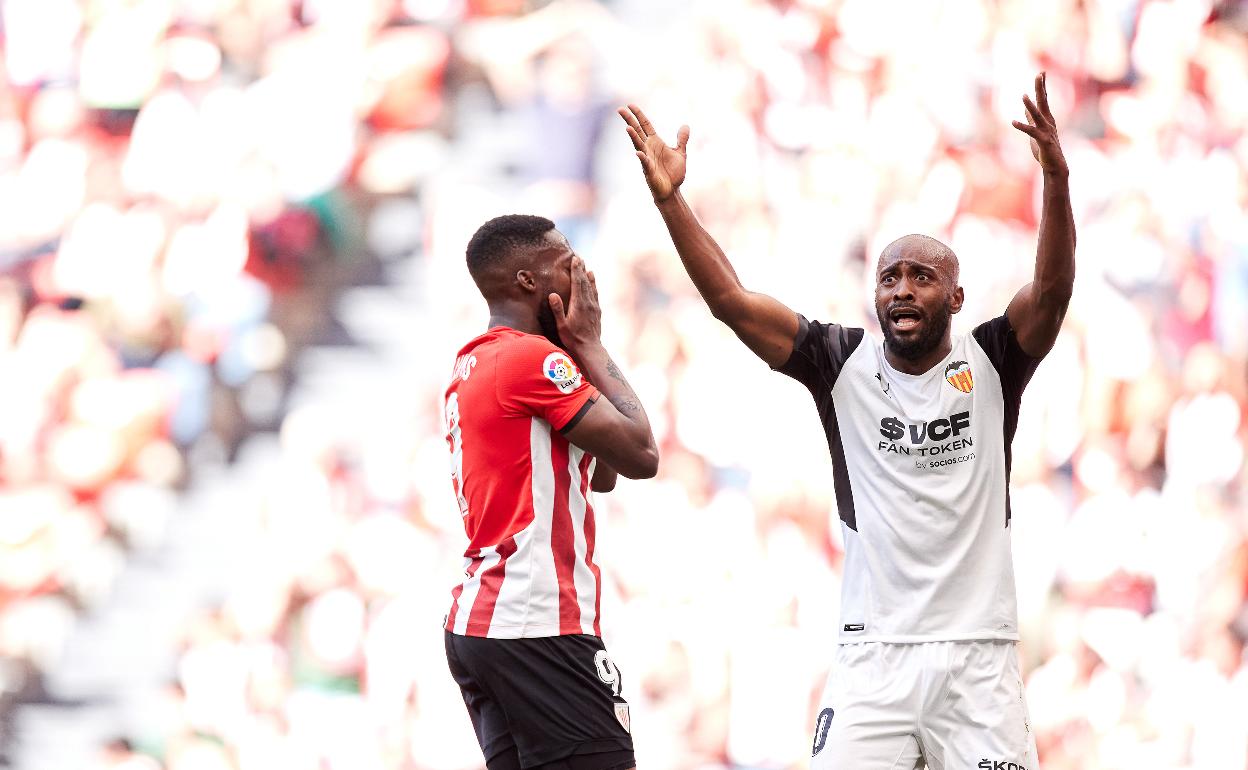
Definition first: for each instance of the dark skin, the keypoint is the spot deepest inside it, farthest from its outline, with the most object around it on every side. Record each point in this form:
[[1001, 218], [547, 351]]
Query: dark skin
[[1036, 312], [911, 273], [551, 278], [916, 284]]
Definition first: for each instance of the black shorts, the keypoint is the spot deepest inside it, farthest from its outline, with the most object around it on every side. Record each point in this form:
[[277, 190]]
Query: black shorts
[[548, 701]]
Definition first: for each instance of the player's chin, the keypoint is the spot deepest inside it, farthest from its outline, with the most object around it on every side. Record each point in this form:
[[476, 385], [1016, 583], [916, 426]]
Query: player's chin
[[908, 343]]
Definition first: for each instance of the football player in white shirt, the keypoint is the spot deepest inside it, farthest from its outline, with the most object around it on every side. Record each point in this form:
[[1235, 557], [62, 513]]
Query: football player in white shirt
[[919, 426]]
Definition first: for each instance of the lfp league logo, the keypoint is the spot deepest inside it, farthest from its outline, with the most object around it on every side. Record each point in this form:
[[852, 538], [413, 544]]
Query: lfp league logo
[[559, 369]]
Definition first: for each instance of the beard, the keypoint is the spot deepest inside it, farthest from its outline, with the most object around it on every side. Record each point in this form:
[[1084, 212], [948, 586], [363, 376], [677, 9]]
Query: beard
[[929, 339], [546, 321]]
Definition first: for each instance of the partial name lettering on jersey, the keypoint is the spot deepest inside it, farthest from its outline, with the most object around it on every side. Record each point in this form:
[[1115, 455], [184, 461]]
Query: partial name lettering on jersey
[[559, 369], [463, 367]]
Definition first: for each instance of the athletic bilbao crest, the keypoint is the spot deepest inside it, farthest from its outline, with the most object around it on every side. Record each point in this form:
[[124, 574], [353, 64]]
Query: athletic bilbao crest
[[958, 374], [560, 370], [621, 713]]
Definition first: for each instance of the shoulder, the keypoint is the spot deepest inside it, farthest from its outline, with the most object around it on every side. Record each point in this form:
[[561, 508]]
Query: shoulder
[[528, 359], [820, 350], [522, 349], [998, 339], [999, 344], [991, 330], [832, 336]]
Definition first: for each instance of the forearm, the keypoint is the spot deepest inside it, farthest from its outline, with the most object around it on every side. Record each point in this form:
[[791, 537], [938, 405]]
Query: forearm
[[610, 381], [704, 260], [1055, 252]]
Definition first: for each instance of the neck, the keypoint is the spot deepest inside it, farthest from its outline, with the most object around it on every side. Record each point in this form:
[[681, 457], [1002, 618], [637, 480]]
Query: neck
[[921, 364], [522, 319]]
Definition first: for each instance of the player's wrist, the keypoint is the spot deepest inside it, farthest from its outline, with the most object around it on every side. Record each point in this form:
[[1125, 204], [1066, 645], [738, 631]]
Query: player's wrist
[[670, 200], [584, 350]]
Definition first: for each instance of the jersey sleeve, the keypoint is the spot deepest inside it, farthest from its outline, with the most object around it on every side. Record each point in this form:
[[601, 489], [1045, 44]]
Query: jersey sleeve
[[819, 352], [537, 379], [1014, 366]]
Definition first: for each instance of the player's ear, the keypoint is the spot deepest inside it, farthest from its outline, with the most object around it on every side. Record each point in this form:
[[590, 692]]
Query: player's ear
[[958, 297], [526, 280]]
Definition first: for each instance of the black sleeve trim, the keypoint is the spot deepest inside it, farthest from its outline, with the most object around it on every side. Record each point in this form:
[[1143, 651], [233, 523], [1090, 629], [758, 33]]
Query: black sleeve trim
[[577, 417], [999, 342], [1012, 340], [803, 329], [819, 352], [1014, 368]]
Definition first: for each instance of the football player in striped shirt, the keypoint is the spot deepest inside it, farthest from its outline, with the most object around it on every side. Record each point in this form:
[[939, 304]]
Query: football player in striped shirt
[[919, 426], [538, 416]]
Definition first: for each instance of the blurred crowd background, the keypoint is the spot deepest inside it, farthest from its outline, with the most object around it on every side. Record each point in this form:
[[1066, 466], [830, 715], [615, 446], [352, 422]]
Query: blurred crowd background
[[199, 197]]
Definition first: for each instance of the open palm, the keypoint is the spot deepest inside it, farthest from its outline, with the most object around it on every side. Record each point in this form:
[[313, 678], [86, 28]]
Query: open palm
[[1042, 128], [663, 166]]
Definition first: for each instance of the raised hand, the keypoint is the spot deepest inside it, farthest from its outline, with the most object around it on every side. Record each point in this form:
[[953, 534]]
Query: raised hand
[[1042, 129], [580, 323], [664, 166]]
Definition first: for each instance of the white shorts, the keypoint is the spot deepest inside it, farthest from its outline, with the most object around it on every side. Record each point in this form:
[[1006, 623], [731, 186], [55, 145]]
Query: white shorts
[[951, 705]]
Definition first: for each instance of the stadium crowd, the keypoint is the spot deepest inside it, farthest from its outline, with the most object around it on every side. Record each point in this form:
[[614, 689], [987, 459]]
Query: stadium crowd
[[159, 262], [186, 171]]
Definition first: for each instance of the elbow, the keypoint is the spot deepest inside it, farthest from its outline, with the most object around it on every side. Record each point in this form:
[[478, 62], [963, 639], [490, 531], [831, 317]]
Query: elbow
[[644, 466], [726, 315], [650, 466], [727, 308]]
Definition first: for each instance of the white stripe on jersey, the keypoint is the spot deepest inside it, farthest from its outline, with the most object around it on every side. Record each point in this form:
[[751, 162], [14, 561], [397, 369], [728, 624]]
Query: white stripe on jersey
[[468, 597], [529, 597], [582, 577], [512, 604], [527, 604]]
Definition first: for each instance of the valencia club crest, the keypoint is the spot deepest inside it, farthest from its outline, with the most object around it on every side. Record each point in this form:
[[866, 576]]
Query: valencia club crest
[[958, 374]]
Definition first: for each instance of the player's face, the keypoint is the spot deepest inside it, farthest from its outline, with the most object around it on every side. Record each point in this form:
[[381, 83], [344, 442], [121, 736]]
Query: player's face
[[914, 301], [552, 270]]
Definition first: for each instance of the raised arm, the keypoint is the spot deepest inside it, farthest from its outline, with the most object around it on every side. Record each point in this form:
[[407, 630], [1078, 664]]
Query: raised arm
[[1036, 312], [615, 428], [763, 323]]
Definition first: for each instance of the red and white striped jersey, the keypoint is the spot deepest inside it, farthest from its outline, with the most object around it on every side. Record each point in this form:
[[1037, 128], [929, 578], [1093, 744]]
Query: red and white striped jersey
[[523, 490]]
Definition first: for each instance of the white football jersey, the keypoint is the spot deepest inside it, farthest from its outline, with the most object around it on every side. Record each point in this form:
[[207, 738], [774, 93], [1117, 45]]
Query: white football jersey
[[921, 466]]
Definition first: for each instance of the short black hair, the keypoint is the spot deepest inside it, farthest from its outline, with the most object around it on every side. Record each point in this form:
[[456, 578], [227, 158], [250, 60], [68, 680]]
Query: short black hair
[[499, 237]]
